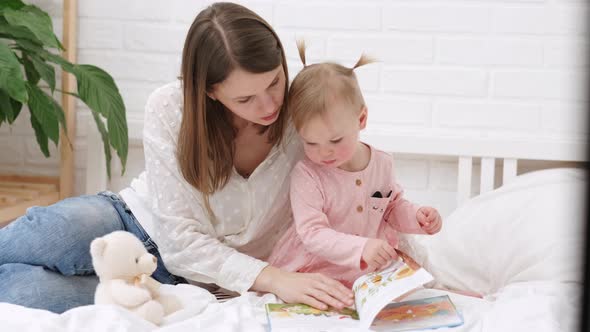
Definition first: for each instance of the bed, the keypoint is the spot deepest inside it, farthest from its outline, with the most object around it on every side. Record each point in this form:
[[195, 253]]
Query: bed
[[515, 237]]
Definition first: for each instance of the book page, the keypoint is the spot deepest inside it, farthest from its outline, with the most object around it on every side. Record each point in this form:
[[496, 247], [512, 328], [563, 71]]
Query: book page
[[374, 290], [309, 318], [431, 313]]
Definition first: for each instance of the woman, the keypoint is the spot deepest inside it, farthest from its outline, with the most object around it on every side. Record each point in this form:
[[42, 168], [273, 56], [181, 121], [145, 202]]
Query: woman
[[213, 199]]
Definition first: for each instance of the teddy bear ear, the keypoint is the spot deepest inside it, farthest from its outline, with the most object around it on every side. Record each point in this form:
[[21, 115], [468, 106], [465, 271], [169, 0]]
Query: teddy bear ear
[[97, 247]]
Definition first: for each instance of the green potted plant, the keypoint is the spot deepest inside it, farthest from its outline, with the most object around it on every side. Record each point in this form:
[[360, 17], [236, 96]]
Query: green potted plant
[[26, 60]]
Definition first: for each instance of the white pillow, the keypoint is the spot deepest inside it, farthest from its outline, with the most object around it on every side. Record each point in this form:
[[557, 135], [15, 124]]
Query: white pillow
[[528, 230]]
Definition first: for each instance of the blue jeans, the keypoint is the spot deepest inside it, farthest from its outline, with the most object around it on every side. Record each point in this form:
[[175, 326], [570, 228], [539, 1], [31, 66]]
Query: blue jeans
[[45, 258]]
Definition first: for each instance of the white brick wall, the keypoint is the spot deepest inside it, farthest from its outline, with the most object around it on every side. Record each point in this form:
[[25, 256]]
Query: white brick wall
[[351, 16], [436, 81], [511, 67], [436, 17]]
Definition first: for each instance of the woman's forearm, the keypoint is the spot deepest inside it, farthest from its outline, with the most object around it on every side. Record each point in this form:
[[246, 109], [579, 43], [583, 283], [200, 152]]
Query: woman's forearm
[[266, 280]]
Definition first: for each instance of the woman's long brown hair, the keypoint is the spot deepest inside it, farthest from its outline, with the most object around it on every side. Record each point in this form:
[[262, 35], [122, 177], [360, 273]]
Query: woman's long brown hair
[[223, 37]]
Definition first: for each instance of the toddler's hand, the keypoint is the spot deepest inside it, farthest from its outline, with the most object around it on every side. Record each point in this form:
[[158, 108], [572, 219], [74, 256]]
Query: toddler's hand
[[429, 219], [377, 254]]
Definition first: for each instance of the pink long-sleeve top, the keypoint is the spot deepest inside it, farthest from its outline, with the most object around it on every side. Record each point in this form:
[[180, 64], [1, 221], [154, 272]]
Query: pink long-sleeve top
[[335, 214]]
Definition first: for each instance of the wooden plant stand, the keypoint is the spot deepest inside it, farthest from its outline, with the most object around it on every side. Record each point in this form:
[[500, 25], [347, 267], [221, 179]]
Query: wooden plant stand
[[17, 193]]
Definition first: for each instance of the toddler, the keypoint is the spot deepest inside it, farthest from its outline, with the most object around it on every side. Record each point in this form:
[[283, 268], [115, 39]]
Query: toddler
[[347, 207]]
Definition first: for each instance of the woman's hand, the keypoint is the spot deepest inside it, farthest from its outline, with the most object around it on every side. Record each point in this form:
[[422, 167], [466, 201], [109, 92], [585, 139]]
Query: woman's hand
[[313, 289]]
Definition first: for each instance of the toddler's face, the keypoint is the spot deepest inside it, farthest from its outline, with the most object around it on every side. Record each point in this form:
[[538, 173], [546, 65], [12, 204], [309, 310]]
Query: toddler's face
[[331, 140]]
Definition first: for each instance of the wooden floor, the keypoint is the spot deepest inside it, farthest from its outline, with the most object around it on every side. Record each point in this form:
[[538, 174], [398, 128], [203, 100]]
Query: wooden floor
[[17, 193]]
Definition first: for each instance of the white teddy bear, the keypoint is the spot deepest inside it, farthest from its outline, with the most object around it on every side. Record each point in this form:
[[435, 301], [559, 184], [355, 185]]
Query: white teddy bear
[[124, 266]]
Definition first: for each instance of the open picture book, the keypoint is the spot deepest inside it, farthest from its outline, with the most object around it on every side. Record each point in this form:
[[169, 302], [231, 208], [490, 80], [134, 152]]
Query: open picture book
[[379, 305]]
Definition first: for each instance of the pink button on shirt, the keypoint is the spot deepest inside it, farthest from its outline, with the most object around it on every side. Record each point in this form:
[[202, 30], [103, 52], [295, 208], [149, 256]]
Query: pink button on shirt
[[335, 214]]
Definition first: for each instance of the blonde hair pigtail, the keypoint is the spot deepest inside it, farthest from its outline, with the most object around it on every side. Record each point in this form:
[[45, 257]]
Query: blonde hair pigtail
[[301, 49], [363, 60]]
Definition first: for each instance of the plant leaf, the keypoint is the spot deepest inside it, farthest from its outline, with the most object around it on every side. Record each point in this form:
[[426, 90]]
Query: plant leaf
[[45, 70], [15, 32], [98, 90], [47, 112], [5, 107], [105, 140], [11, 77], [30, 47], [40, 136], [36, 21], [30, 70], [9, 106], [16, 108], [12, 4], [47, 18]]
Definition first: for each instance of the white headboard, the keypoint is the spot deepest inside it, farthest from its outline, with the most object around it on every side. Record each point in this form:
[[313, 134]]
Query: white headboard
[[467, 149]]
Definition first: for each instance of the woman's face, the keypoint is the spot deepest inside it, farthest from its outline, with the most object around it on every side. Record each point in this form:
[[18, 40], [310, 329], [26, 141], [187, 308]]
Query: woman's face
[[256, 98]]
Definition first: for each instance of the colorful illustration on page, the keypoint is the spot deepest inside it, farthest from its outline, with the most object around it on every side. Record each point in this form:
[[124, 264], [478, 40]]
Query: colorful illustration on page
[[416, 310], [302, 310], [371, 283]]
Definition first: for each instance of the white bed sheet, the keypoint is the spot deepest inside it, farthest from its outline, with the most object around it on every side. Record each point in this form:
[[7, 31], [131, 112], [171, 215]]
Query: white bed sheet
[[526, 306]]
